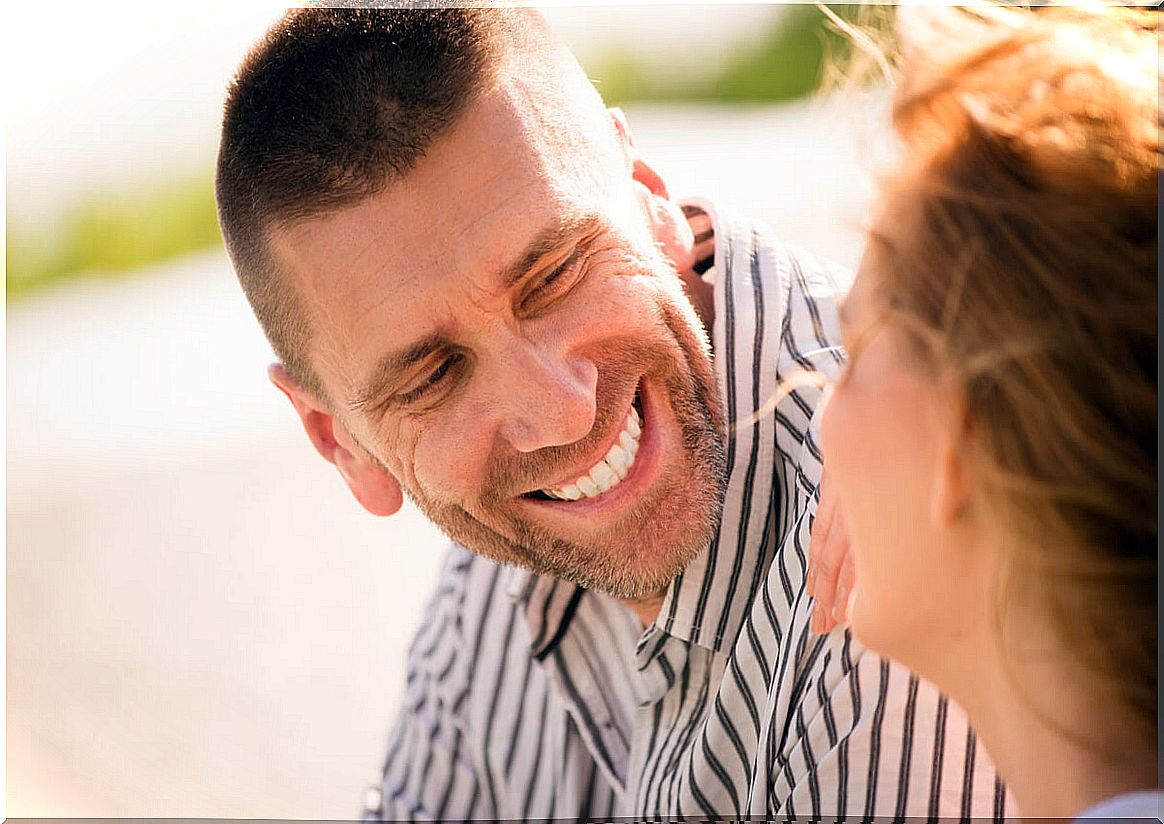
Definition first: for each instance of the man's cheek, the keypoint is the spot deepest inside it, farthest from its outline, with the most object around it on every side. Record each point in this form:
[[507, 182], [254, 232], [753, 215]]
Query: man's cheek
[[400, 445], [442, 465], [636, 301]]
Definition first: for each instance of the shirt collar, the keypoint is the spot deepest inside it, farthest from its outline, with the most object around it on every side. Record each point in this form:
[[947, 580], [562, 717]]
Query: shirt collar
[[708, 601]]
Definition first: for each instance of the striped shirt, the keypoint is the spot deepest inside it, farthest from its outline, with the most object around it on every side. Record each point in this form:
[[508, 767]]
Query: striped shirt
[[531, 698]]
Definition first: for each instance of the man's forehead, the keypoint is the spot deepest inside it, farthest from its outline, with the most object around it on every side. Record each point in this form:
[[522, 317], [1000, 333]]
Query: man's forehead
[[515, 166], [504, 171]]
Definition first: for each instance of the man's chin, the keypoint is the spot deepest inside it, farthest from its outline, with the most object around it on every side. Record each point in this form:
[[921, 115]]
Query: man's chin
[[632, 568], [643, 562], [635, 558]]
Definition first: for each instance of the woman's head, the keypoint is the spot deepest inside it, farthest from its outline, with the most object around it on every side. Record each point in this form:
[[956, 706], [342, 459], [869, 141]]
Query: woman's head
[[994, 440]]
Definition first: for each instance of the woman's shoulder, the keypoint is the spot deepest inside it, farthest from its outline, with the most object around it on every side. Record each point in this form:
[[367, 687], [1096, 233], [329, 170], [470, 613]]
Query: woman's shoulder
[[1141, 804]]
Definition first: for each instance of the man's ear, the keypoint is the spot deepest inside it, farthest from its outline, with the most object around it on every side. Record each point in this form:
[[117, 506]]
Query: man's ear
[[374, 487], [641, 172], [671, 230]]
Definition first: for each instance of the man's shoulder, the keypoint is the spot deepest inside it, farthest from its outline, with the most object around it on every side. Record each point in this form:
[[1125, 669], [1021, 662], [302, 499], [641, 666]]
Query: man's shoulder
[[473, 596], [470, 588], [741, 241]]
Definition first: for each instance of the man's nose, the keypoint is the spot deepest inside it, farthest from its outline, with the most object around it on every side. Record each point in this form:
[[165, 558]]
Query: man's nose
[[547, 398]]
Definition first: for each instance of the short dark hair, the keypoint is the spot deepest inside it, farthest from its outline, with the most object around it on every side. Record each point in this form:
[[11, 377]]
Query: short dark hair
[[327, 109]]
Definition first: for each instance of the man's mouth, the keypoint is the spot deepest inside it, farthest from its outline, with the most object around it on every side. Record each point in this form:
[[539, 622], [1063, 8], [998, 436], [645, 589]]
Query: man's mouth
[[608, 472]]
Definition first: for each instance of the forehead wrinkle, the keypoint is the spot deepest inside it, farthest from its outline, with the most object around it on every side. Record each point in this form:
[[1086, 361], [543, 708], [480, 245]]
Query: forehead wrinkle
[[338, 333], [357, 282], [343, 330], [545, 196], [323, 285]]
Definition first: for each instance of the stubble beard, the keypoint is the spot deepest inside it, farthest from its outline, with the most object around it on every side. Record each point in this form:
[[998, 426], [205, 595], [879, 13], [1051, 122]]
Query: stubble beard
[[639, 556]]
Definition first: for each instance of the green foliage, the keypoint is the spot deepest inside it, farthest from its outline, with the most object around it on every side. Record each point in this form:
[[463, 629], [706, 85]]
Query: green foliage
[[118, 230], [112, 231], [783, 63]]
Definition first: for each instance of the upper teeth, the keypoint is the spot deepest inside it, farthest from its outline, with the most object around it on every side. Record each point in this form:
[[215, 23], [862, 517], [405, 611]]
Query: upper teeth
[[609, 472]]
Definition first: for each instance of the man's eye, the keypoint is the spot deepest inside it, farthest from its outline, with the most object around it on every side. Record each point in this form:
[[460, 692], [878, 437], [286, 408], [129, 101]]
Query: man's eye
[[549, 280], [433, 379], [551, 277], [558, 281]]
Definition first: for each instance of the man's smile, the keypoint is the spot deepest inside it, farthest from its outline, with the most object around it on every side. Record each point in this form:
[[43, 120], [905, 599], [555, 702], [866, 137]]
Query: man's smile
[[610, 471], [629, 465]]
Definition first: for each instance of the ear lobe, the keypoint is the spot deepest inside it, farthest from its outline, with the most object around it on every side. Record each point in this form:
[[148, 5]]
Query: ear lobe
[[644, 174], [373, 486]]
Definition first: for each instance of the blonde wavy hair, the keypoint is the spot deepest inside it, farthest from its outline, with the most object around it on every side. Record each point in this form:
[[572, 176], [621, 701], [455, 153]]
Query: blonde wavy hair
[[1016, 248]]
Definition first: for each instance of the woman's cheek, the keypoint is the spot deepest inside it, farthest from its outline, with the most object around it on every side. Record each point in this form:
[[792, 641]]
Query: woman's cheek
[[836, 432]]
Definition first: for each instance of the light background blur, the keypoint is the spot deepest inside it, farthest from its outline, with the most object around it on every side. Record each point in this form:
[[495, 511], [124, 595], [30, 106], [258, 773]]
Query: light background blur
[[200, 620]]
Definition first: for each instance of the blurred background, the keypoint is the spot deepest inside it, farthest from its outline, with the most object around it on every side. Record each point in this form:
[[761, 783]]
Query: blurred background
[[200, 620]]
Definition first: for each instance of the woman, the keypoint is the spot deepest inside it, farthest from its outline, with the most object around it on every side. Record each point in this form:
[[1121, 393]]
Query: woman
[[992, 442]]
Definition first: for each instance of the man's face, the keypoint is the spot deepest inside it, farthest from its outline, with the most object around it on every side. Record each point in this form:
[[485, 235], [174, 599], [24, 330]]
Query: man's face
[[500, 332]]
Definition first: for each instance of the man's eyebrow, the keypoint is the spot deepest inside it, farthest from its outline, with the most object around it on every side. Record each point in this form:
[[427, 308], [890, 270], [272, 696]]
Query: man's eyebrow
[[570, 229], [389, 369]]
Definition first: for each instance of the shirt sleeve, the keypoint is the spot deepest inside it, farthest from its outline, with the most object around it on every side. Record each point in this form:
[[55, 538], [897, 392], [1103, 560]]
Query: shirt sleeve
[[431, 771]]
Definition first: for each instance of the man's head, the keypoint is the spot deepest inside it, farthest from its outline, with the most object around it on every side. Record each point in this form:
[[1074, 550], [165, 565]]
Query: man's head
[[459, 259]]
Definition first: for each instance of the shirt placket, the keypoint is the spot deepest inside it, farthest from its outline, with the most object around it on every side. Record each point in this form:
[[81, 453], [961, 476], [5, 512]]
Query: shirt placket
[[661, 710]]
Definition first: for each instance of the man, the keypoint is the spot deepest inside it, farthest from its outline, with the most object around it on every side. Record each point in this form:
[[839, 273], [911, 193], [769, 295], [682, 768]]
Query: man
[[483, 297]]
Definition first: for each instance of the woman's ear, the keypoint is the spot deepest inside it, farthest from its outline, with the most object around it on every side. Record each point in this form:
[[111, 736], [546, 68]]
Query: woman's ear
[[372, 485], [954, 479]]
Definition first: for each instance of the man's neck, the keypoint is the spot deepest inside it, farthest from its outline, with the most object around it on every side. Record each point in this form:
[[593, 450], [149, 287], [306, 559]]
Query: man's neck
[[647, 609]]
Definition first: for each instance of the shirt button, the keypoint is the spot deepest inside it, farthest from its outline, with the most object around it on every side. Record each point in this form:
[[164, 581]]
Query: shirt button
[[372, 798]]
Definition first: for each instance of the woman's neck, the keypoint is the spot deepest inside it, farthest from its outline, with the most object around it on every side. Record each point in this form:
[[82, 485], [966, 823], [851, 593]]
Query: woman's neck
[[1059, 748]]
